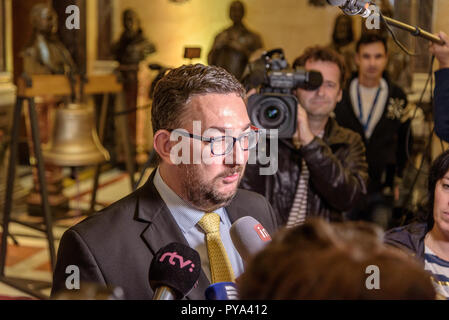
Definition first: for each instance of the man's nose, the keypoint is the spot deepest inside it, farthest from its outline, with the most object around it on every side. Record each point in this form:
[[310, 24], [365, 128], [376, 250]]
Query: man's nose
[[237, 155]]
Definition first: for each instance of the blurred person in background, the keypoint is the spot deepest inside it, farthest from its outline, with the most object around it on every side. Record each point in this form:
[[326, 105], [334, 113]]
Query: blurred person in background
[[318, 260]]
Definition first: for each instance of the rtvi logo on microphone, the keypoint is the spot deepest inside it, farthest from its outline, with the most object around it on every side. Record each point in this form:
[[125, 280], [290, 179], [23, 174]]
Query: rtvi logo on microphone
[[173, 256], [373, 21], [263, 234]]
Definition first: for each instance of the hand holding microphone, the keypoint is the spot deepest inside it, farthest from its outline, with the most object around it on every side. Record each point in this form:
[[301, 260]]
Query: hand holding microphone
[[441, 52]]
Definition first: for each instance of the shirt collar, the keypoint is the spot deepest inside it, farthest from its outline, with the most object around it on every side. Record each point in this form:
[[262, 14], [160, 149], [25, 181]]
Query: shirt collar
[[184, 214]]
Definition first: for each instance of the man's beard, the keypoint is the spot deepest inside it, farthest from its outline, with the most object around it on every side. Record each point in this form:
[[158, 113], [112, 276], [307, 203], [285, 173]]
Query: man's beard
[[203, 194]]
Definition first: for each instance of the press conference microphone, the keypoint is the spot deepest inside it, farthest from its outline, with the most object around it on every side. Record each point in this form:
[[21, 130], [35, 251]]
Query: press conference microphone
[[353, 7], [174, 271], [362, 7], [222, 291], [248, 237]]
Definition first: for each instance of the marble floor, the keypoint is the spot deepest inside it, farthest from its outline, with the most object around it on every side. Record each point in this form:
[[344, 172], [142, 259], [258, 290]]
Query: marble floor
[[30, 258]]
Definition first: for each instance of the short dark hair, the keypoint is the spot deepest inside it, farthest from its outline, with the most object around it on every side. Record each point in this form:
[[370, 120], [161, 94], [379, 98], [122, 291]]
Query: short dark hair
[[179, 85], [368, 38], [437, 171], [321, 53]]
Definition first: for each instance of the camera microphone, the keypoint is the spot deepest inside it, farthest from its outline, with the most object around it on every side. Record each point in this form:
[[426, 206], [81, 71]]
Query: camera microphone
[[174, 271]]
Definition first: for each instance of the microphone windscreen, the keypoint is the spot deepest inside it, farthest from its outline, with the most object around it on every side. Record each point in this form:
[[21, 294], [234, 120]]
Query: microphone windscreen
[[248, 236], [338, 3], [175, 266], [222, 291]]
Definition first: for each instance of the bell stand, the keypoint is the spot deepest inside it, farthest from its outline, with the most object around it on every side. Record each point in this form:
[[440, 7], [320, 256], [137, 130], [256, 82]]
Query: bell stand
[[27, 89]]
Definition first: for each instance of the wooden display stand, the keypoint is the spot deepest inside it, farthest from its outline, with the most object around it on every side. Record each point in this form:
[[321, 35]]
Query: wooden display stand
[[56, 85]]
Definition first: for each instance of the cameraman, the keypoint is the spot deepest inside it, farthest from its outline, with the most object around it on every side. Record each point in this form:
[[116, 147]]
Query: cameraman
[[322, 170]]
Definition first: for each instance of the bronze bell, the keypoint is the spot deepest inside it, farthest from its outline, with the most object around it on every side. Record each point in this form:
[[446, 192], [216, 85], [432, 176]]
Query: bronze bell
[[74, 141]]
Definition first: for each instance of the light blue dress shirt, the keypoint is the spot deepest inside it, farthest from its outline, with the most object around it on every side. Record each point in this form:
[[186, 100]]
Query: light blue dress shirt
[[187, 219]]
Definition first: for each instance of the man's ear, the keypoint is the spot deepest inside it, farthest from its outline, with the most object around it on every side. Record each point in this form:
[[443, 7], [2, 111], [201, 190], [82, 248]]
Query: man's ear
[[357, 59], [163, 145], [340, 95]]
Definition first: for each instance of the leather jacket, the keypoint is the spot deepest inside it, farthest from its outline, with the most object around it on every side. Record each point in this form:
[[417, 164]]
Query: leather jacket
[[338, 174]]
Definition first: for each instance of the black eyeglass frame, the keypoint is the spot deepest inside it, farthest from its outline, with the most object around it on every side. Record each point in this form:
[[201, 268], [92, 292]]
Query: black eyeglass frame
[[254, 129]]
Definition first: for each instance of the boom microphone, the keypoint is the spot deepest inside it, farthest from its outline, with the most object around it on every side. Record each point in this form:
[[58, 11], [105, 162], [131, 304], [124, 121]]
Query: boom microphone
[[248, 237], [362, 7], [353, 7], [174, 271]]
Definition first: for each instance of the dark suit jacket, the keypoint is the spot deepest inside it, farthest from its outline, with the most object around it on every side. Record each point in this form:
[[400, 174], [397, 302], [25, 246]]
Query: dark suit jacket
[[115, 246], [386, 149], [441, 114]]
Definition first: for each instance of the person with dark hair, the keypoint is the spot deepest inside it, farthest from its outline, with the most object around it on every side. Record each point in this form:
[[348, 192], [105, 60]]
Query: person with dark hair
[[441, 111], [322, 261], [191, 198], [322, 170], [374, 107], [428, 237]]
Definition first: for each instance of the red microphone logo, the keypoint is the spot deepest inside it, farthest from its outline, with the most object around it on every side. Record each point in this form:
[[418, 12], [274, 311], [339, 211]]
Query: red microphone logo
[[263, 234]]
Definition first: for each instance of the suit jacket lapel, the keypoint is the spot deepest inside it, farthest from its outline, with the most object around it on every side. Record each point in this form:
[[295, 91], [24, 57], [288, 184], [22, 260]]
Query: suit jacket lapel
[[162, 228]]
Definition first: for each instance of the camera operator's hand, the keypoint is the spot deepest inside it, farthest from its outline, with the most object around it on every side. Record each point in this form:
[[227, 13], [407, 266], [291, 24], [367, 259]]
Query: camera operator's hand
[[303, 135], [441, 52]]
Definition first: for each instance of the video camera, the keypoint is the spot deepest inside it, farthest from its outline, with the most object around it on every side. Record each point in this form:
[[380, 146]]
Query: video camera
[[274, 106]]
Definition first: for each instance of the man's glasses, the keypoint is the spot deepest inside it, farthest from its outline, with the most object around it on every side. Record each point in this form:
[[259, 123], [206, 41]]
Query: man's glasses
[[225, 144]]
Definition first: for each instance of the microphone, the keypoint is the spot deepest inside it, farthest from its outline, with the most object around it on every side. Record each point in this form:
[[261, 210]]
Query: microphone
[[362, 7], [174, 271], [248, 237], [222, 291], [353, 7]]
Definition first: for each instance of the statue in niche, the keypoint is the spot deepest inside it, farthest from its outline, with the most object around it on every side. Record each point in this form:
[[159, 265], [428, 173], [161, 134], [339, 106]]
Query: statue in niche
[[133, 46], [233, 47], [131, 49], [45, 53], [343, 41]]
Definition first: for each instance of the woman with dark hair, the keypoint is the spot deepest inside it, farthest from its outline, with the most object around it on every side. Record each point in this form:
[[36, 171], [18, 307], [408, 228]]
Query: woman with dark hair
[[428, 237]]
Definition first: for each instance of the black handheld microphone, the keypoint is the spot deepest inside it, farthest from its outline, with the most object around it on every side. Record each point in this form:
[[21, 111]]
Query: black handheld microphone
[[248, 236], [174, 271]]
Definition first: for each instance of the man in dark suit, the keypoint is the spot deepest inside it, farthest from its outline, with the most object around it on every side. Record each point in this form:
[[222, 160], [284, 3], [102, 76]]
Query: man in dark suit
[[374, 107], [197, 175]]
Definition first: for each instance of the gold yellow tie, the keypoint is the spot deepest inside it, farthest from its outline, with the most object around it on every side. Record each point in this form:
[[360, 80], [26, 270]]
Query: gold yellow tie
[[220, 266]]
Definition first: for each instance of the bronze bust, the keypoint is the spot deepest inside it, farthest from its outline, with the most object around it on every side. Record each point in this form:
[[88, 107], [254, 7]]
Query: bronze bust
[[233, 47], [133, 46], [45, 53]]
